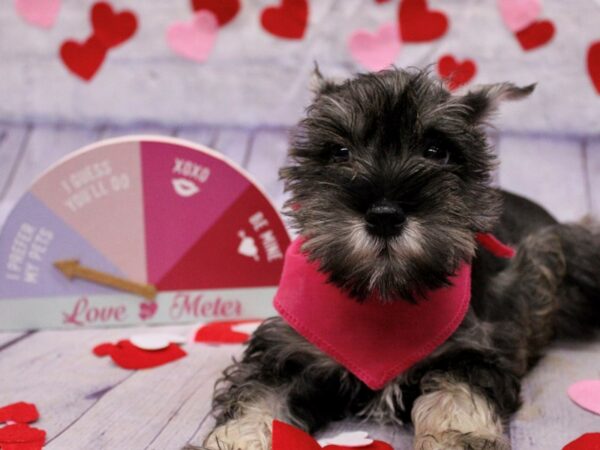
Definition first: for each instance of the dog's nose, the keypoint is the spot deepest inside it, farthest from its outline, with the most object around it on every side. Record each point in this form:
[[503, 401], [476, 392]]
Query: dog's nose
[[385, 218]]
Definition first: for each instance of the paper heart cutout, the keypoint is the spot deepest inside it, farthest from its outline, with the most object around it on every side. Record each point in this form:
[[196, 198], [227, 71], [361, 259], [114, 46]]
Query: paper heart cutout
[[147, 310], [535, 35], [194, 39], [128, 356], [224, 10], [519, 14], [19, 412], [593, 64], [20, 436], [85, 59], [288, 20], [224, 332], [586, 394], [155, 341], [375, 51], [588, 441], [287, 437], [41, 13], [454, 73], [419, 24], [350, 439], [112, 28]]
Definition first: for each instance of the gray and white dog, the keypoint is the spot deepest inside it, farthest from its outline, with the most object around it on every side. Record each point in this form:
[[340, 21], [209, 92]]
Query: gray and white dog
[[393, 175]]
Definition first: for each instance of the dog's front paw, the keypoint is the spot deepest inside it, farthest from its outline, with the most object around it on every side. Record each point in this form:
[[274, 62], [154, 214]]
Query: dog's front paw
[[454, 440], [239, 435]]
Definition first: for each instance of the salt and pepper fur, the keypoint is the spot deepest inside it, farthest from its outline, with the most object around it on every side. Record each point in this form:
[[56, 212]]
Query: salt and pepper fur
[[459, 396]]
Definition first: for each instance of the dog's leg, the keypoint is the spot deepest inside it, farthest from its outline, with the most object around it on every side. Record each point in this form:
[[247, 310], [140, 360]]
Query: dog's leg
[[451, 415]]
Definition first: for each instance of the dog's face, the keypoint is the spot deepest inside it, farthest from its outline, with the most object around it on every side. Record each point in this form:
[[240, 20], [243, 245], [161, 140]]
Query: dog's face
[[389, 180]]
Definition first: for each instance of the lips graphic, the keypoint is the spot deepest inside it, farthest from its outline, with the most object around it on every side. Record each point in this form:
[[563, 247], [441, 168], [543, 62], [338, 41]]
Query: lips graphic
[[185, 188]]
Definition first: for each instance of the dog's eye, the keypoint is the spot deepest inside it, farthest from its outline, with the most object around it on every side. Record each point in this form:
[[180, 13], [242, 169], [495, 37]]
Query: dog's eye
[[341, 154], [438, 154]]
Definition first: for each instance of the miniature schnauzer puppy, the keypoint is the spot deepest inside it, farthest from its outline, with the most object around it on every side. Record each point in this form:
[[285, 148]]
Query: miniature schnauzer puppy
[[399, 145]]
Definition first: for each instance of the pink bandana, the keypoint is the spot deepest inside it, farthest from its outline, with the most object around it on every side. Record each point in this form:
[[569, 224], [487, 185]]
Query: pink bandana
[[373, 340]]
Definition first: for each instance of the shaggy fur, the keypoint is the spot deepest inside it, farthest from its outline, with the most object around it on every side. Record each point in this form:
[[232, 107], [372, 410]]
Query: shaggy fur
[[398, 142]]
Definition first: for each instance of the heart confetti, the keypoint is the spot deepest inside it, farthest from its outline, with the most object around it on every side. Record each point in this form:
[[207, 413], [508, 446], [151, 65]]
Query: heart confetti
[[20, 436], [155, 341], [286, 437], [586, 394], [230, 332], [41, 13], [375, 51], [194, 40], [454, 73], [593, 64], [19, 412], [519, 14], [85, 59], [112, 28], [588, 441], [128, 356], [419, 24], [286, 21], [536, 35], [224, 10]]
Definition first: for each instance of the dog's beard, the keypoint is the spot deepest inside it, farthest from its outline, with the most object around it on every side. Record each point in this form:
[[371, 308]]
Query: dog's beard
[[422, 257]]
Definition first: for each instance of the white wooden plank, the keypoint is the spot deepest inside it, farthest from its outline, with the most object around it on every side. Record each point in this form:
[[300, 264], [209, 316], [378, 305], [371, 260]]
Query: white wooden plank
[[12, 140], [235, 144], [157, 408], [548, 418], [549, 171], [267, 155], [199, 135], [45, 146], [113, 131], [593, 175]]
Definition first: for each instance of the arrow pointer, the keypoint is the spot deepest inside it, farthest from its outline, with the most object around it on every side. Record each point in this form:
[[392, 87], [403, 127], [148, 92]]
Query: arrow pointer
[[72, 269]]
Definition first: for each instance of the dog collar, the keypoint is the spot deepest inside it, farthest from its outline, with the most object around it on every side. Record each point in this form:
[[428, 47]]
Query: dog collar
[[375, 341]]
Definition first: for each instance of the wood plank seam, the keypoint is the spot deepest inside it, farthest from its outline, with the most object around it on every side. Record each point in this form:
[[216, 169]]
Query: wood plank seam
[[17, 162], [586, 175], [17, 339], [85, 411]]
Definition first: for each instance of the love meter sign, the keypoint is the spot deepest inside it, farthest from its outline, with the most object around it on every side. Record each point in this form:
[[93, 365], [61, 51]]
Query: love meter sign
[[140, 230]]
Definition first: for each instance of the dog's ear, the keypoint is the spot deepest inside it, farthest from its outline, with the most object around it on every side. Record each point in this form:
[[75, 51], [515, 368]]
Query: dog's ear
[[484, 100], [320, 85]]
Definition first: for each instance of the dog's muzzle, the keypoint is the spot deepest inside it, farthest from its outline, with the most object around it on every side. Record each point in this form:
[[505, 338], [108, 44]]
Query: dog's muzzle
[[385, 218]]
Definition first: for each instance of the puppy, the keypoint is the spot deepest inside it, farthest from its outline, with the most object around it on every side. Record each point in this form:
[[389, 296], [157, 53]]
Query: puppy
[[389, 177]]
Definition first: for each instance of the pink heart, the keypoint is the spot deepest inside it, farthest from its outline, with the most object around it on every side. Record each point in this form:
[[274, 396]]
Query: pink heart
[[41, 13], [586, 394], [194, 39], [378, 50], [519, 14]]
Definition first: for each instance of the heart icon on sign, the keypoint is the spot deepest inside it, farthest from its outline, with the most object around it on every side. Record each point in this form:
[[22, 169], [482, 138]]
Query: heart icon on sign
[[147, 310]]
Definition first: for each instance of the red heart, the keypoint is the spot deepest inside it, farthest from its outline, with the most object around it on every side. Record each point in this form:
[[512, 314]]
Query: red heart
[[112, 29], [147, 310], [535, 35], [85, 59], [593, 64], [19, 436], [286, 21], [224, 10], [128, 356], [286, 437], [418, 24], [456, 74], [222, 333], [589, 441], [19, 412]]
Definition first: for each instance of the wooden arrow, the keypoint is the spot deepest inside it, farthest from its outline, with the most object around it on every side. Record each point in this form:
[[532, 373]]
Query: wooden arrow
[[72, 269]]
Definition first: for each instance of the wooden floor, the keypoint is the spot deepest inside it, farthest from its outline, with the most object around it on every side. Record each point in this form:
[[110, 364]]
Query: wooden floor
[[86, 402]]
